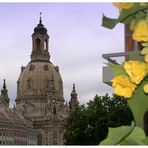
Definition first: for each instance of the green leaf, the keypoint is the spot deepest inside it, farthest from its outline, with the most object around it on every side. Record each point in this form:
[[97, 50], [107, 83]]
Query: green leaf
[[144, 44], [125, 16], [139, 16], [144, 51], [116, 135], [136, 137], [132, 25], [146, 140], [136, 56], [139, 103], [108, 22], [117, 69], [128, 20]]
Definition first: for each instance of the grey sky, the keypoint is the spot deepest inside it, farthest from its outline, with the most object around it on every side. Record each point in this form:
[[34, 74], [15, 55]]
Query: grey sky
[[77, 42]]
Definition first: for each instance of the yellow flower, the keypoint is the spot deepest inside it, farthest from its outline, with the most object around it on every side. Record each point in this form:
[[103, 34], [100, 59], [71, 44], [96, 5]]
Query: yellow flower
[[123, 86], [122, 6], [145, 88], [146, 58], [136, 70], [141, 31]]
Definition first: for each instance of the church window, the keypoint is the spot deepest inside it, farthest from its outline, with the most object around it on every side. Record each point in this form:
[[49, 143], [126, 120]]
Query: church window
[[54, 110], [39, 139], [38, 43], [45, 45]]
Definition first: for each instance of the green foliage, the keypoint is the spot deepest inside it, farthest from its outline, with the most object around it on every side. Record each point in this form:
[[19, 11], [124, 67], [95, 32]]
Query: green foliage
[[136, 56], [88, 125], [130, 135], [144, 44], [126, 16], [133, 11], [108, 22], [146, 140], [85, 125], [116, 135], [136, 137], [139, 103], [117, 69], [118, 112]]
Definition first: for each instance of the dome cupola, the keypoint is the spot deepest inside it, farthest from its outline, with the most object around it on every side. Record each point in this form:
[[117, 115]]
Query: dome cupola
[[40, 43]]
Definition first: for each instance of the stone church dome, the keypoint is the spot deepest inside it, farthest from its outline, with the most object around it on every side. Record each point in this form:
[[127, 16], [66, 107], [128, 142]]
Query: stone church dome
[[40, 92], [37, 79], [40, 77]]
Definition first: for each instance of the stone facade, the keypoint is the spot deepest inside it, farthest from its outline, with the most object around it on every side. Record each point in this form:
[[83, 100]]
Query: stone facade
[[39, 117], [40, 92], [14, 128]]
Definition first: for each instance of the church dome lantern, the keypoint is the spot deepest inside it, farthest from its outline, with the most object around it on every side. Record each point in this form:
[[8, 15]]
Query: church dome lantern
[[40, 40], [40, 29]]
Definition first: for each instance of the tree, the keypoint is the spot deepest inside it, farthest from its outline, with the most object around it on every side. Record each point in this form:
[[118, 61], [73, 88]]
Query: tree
[[118, 112], [88, 124]]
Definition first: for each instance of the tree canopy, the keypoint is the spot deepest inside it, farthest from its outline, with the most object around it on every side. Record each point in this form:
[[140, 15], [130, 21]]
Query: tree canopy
[[88, 124]]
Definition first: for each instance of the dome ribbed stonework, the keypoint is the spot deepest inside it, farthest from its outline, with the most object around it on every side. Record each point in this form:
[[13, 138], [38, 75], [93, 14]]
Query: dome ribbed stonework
[[37, 79]]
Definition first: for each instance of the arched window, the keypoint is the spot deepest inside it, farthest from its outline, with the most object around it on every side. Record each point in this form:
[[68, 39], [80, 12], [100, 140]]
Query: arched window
[[146, 123], [54, 110], [45, 45], [39, 139], [38, 43]]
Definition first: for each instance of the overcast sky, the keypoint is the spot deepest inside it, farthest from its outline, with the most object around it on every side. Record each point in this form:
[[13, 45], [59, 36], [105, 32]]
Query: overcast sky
[[77, 42]]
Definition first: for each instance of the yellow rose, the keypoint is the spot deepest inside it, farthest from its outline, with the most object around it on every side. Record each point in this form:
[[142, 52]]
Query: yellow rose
[[122, 6], [141, 31], [136, 70], [123, 86]]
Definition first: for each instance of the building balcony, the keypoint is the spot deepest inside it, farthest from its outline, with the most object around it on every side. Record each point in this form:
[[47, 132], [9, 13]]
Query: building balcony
[[107, 73]]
